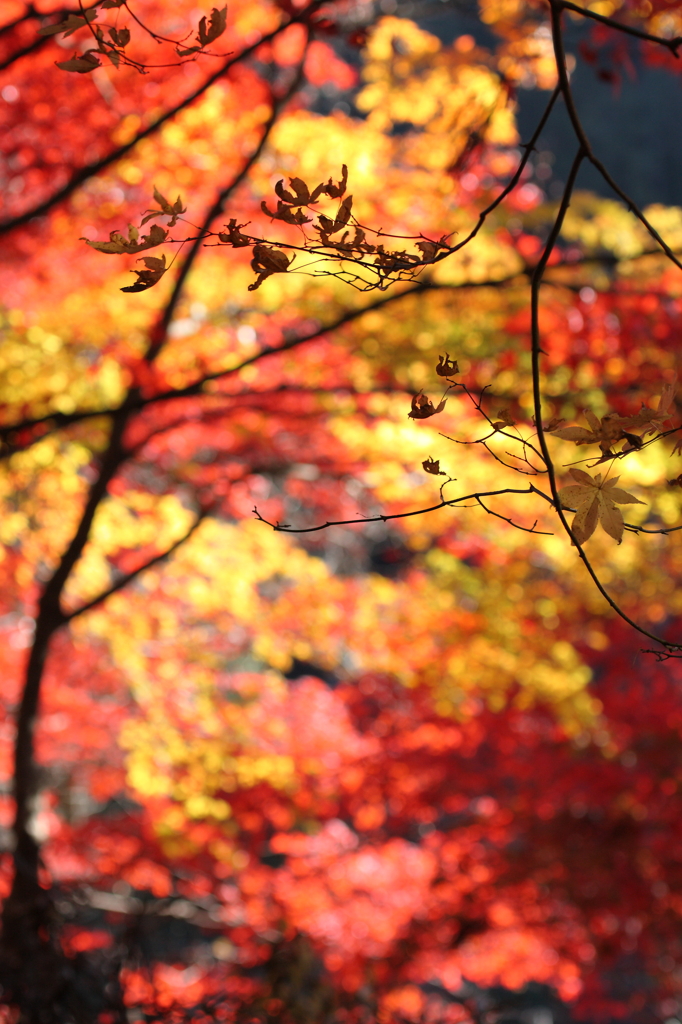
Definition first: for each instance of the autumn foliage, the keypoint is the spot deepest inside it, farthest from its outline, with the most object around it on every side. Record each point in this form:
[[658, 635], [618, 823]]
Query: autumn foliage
[[323, 699]]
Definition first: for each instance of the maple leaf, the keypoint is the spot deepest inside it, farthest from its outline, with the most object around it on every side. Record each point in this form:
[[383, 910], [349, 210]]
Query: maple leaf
[[285, 213], [632, 441], [324, 226], [429, 249], [605, 432], [423, 407], [167, 209], [217, 24], [664, 411], [447, 366], [69, 25], [343, 214], [208, 32], [233, 235], [330, 189], [120, 36], [87, 61], [302, 192], [156, 268], [359, 241], [581, 435], [433, 466], [595, 501], [267, 261], [399, 260], [117, 244], [113, 54], [504, 420], [327, 226], [613, 427]]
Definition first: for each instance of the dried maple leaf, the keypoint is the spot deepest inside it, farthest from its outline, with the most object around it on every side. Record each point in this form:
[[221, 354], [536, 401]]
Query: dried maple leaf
[[86, 62], [216, 26], [233, 236], [118, 244], [302, 193], [423, 407], [399, 260], [326, 226], [504, 420], [595, 501], [156, 268], [172, 210], [607, 431], [447, 366], [359, 241], [343, 214], [612, 427], [582, 435], [286, 213], [207, 32], [429, 249], [330, 189], [267, 261], [69, 25], [120, 37], [433, 466], [664, 410]]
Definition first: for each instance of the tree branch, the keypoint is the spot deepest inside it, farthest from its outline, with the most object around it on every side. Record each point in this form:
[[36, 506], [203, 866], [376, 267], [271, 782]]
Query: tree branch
[[560, 56], [671, 44], [125, 580], [449, 503], [91, 169], [31, 14], [529, 148], [159, 334], [138, 401], [536, 345]]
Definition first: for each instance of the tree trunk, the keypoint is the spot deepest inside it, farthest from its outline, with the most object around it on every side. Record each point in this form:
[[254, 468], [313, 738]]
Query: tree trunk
[[29, 958]]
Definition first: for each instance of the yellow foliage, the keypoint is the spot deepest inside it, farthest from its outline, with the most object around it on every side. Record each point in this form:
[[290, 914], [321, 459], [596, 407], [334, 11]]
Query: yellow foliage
[[411, 80]]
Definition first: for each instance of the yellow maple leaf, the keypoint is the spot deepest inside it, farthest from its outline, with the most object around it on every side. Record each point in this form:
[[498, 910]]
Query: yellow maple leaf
[[595, 501]]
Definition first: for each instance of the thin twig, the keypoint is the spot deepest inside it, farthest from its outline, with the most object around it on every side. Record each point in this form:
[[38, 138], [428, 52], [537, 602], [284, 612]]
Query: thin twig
[[560, 55], [449, 503], [528, 147], [672, 44], [517, 526]]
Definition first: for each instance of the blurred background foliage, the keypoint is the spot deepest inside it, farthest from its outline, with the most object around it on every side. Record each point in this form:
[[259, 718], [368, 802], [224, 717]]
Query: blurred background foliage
[[408, 770]]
